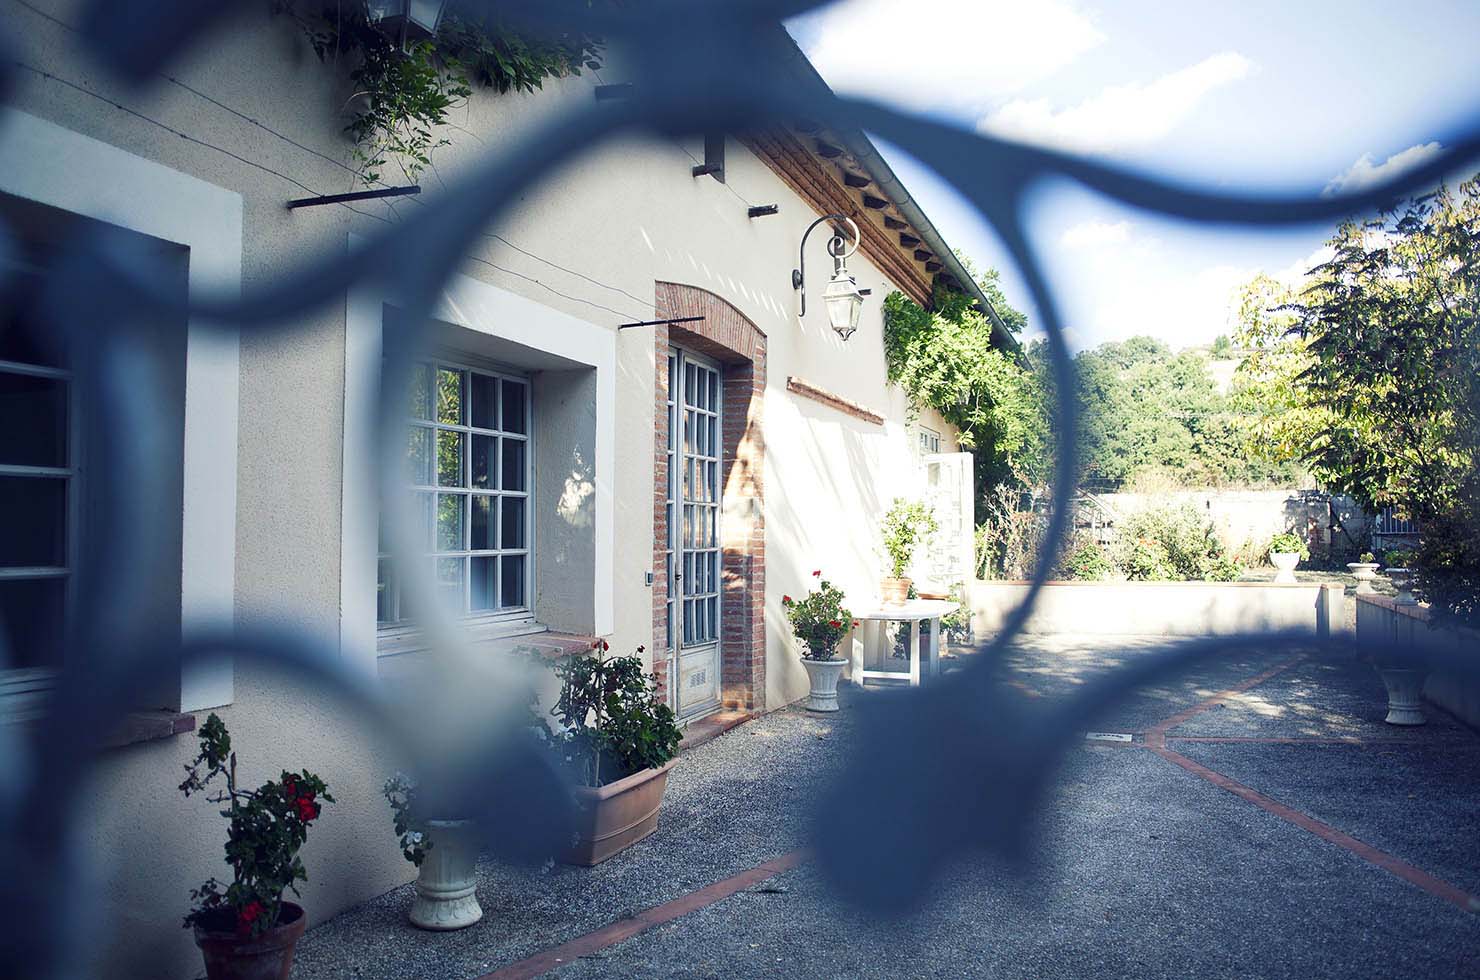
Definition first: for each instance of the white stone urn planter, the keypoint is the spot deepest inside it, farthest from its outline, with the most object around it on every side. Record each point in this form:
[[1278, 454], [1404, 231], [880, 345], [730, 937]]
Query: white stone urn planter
[[1402, 578], [446, 887], [823, 675], [1284, 562], [1365, 572], [1405, 694]]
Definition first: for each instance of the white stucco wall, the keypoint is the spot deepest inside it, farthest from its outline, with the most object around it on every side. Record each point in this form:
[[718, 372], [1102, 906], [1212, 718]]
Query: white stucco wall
[[626, 215]]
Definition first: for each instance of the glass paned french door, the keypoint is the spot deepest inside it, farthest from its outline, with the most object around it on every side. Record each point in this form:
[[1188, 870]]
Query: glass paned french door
[[693, 511]]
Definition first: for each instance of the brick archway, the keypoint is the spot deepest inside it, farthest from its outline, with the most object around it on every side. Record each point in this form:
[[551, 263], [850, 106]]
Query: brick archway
[[727, 336]]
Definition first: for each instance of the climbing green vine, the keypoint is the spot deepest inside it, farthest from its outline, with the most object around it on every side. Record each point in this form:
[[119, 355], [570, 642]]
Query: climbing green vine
[[401, 99], [944, 358]]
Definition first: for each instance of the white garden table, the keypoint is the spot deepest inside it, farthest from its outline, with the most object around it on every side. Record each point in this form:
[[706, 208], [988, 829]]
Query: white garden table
[[917, 613]]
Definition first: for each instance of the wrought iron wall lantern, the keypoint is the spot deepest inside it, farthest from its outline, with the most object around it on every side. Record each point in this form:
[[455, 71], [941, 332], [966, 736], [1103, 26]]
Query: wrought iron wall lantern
[[842, 297], [405, 21]]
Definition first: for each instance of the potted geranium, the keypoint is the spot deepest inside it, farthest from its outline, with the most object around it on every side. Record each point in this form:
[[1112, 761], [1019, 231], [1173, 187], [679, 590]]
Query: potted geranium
[[1285, 551], [1364, 570], [445, 853], [820, 622], [246, 929], [620, 741], [906, 524]]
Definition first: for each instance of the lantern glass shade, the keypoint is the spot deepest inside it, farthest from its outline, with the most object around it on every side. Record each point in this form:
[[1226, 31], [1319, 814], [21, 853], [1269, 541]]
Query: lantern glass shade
[[844, 303], [417, 18]]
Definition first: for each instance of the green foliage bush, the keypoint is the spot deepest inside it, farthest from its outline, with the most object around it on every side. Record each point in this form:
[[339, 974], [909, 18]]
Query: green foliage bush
[[1088, 562], [613, 723], [819, 620], [1172, 543], [906, 524]]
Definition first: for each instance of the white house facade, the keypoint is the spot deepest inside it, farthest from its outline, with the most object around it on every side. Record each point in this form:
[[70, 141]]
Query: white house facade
[[660, 486]]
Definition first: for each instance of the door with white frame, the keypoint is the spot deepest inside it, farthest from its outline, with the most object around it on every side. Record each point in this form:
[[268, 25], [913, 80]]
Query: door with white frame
[[693, 552]]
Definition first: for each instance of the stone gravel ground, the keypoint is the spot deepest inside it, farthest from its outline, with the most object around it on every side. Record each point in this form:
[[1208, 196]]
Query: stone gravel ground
[[1146, 870]]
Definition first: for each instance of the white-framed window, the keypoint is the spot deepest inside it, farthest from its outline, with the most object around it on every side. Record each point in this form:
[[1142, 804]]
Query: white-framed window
[[927, 441], [469, 459], [39, 499]]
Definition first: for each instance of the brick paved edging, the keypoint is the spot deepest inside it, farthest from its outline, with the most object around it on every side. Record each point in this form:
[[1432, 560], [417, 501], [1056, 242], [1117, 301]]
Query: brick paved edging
[[624, 929]]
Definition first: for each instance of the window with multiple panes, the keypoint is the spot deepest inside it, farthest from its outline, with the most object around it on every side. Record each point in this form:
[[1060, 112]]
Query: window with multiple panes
[[469, 463], [38, 496], [929, 441]]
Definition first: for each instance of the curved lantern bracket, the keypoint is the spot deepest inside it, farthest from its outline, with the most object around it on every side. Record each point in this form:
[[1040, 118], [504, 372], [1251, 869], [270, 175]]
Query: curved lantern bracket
[[842, 296]]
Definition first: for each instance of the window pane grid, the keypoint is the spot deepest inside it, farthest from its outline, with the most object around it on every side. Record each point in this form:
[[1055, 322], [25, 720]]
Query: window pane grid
[[469, 463]]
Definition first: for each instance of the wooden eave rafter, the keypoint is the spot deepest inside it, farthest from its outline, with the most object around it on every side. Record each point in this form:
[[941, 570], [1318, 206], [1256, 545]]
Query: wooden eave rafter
[[819, 180], [814, 164]]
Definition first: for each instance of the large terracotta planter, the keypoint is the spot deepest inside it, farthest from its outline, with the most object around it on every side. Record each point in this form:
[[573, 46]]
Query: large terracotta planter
[[1285, 562], [615, 816], [895, 591], [267, 957], [446, 886], [823, 675], [1365, 572], [1405, 694]]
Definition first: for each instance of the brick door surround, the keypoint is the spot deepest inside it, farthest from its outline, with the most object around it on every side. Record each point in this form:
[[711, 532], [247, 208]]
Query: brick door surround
[[729, 337]]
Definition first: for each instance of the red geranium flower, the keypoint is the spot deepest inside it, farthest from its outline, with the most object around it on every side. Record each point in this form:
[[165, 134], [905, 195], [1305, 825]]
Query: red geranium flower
[[786, 600], [817, 573], [308, 810], [835, 623], [247, 915]]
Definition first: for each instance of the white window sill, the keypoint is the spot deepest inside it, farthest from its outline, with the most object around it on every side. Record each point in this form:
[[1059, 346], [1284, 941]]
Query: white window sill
[[392, 641]]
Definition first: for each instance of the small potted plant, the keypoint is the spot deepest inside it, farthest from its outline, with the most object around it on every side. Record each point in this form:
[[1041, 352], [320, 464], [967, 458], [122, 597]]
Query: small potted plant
[[906, 524], [1364, 570], [1285, 551], [820, 622], [620, 742], [245, 929], [445, 853]]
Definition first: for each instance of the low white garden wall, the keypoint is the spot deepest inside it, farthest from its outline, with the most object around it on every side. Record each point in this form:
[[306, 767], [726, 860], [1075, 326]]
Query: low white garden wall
[[1382, 620], [1163, 608]]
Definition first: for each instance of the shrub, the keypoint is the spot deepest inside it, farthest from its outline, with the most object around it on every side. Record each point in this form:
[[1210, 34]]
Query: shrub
[[1172, 543], [1286, 543], [819, 620], [906, 524], [1088, 562], [267, 827], [1446, 566], [613, 722]]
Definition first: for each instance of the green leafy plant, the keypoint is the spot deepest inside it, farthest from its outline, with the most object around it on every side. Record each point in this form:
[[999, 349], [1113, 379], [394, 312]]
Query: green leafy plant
[[1367, 558], [403, 97], [819, 619], [267, 827], [411, 828], [1287, 543], [1398, 558], [1088, 562], [906, 525], [1171, 543], [613, 723]]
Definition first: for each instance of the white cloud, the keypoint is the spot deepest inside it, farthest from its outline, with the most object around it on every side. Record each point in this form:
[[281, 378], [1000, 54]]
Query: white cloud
[[1366, 172], [933, 53], [1093, 234], [1121, 116]]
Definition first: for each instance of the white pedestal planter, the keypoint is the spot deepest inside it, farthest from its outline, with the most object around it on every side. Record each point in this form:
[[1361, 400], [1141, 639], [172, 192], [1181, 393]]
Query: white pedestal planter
[[1405, 691], [1285, 562], [824, 676], [445, 888], [1365, 573], [1401, 579]]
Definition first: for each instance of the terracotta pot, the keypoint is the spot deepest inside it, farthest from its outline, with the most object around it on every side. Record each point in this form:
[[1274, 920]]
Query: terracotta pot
[[446, 896], [823, 675], [615, 816], [267, 957], [1285, 561], [895, 591]]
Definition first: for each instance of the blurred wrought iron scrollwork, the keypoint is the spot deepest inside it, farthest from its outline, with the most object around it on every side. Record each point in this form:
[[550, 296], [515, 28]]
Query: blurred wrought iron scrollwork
[[692, 68]]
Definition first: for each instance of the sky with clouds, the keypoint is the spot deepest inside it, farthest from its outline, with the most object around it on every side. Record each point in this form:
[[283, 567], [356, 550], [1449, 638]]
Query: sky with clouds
[[1310, 95]]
